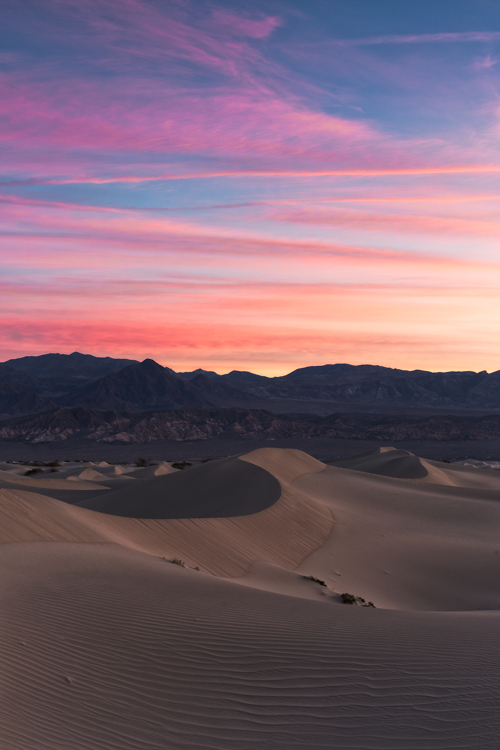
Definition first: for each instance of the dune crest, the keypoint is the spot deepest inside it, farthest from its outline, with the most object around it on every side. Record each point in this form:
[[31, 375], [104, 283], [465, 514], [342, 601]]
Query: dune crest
[[284, 464]]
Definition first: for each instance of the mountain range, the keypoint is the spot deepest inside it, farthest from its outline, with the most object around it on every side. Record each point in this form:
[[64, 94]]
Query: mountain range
[[106, 383], [236, 424]]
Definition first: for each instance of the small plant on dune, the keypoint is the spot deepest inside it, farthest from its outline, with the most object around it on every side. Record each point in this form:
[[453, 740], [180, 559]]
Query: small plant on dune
[[54, 464], [181, 465], [358, 600], [53, 469], [32, 472], [176, 561], [316, 580], [206, 460], [348, 598], [142, 462]]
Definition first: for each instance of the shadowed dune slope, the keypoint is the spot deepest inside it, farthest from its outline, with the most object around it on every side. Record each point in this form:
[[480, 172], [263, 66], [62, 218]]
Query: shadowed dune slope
[[105, 649], [218, 489]]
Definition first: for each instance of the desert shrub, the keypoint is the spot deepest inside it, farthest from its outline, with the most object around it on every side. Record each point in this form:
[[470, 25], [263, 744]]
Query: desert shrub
[[176, 561], [181, 465], [316, 580], [53, 463], [348, 599], [142, 462], [32, 472], [53, 469], [358, 600], [206, 460]]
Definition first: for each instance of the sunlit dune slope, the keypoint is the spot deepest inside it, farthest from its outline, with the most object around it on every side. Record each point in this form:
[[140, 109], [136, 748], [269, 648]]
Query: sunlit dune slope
[[408, 544]]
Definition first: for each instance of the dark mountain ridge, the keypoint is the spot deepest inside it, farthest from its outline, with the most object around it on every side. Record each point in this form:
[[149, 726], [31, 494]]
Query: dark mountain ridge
[[80, 366], [54, 375], [148, 385], [78, 380]]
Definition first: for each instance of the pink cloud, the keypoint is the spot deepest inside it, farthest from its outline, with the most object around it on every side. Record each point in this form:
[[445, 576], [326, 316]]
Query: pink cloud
[[484, 63], [260, 113], [450, 169], [478, 224], [310, 326], [259, 117], [125, 116], [143, 233]]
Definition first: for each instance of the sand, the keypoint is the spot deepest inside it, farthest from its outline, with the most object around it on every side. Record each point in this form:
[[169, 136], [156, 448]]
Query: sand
[[107, 644]]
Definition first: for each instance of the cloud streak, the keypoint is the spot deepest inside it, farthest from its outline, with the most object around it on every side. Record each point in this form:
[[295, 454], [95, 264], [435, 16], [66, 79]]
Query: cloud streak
[[446, 37]]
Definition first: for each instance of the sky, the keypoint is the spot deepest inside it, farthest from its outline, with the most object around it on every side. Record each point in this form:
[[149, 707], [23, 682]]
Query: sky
[[251, 185]]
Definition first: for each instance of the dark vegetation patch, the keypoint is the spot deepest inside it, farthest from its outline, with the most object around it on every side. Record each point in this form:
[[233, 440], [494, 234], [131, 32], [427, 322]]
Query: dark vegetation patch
[[181, 465], [356, 600]]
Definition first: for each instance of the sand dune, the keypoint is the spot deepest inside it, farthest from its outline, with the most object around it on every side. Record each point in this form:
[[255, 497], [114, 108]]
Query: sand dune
[[46, 482], [408, 545], [107, 645], [402, 464], [283, 534], [89, 475]]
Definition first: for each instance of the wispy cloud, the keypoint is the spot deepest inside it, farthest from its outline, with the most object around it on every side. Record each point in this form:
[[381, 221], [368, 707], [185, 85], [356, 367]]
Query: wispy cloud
[[464, 36], [478, 224]]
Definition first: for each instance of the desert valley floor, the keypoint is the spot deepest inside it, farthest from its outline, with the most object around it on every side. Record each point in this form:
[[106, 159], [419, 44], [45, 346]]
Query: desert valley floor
[[246, 643]]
